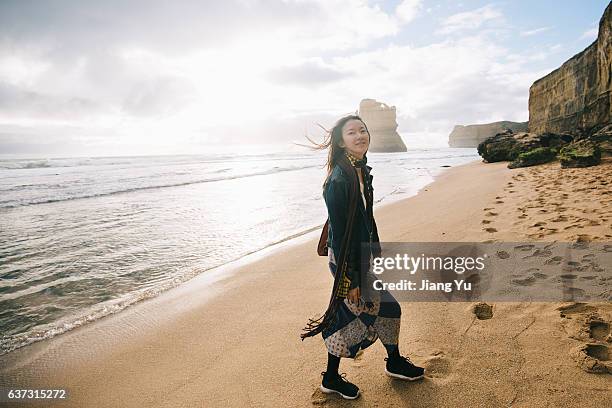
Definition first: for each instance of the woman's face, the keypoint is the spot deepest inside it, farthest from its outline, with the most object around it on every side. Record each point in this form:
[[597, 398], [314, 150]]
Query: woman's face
[[355, 138]]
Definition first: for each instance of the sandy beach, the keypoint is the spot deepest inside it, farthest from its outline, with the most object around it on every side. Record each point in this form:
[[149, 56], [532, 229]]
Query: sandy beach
[[231, 337]]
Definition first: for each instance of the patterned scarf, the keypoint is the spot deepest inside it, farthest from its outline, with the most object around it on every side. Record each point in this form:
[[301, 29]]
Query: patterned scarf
[[359, 163], [341, 282], [346, 282]]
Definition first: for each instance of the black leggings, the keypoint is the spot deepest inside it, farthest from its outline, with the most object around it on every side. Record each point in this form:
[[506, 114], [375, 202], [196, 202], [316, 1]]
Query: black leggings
[[333, 362]]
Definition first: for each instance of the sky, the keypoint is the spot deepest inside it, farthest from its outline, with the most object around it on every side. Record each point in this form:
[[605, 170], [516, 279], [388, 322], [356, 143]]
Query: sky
[[157, 77]]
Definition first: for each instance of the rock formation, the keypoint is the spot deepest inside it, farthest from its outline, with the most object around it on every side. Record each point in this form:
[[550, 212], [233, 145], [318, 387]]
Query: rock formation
[[472, 135], [575, 98], [519, 147], [382, 125], [569, 112]]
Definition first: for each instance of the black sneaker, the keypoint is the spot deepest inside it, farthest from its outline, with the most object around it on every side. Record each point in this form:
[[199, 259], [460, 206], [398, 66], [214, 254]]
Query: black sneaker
[[338, 384], [402, 368]]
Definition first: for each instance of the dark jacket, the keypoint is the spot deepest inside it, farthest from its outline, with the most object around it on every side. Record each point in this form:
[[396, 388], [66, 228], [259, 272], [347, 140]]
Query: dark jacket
[[336, 195]]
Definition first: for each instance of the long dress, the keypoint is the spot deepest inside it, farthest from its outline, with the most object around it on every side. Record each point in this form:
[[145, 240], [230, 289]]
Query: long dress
[[359, 326]]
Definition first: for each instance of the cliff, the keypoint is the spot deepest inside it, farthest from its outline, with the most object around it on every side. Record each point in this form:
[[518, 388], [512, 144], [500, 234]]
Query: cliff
[[382, 125], [575, 98], [472, 135]]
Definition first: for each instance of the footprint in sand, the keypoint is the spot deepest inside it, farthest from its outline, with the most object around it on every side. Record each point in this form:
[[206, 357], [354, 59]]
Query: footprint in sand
[[599, 330], [482, 311], [491, 214], [486, 221], [524, 247], [593, 358], [490, 230], [528, 281], [571, 292], [555, 260], [437, 366], [575, 308], [503, 255], [560, 218], [540, 253]]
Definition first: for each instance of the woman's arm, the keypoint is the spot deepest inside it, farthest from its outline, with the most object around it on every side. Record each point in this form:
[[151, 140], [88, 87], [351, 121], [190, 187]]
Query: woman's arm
[[337, 201]]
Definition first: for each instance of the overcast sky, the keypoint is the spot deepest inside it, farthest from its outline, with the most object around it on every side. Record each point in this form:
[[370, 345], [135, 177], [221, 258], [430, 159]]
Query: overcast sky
[[150, 77]]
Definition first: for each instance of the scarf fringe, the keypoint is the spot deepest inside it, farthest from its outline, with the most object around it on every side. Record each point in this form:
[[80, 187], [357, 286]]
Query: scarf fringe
[[316, 326]]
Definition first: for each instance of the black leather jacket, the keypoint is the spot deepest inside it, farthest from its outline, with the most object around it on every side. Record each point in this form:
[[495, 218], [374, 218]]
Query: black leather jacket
[[336, 194]]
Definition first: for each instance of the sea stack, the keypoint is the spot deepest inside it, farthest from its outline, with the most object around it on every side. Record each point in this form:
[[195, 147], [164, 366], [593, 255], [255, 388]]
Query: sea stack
[[381, 122]]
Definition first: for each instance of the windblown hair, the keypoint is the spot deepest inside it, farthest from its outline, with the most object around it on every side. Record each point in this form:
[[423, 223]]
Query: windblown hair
[[332, 140]]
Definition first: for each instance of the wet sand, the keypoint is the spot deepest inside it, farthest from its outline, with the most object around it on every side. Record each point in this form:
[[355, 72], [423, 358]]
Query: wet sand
[[232, 338]]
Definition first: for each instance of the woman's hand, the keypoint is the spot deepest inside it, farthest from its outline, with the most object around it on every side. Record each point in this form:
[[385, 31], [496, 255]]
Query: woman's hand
[[354, 295]]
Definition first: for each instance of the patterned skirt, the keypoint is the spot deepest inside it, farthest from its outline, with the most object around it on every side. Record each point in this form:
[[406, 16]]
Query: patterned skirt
[[359, 326]]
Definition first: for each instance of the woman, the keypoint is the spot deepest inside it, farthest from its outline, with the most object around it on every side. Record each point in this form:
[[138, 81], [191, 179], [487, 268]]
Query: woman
[[350, 323]]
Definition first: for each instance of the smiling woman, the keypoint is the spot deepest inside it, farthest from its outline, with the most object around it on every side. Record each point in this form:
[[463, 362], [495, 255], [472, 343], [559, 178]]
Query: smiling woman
[[350, 322]]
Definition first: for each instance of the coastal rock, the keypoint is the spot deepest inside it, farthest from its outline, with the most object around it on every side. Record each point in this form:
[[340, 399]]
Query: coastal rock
[[575, 97], [382, 125], [507, 146], [473, 135], [534, 157], [581, 153], [603, 138], [500, 147]]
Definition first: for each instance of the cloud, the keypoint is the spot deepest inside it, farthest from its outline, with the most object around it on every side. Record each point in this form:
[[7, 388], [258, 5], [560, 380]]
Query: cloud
[[196, 74], [17, 103], [470, 20], [311, 73], [407, 10], [158, 97], [535, 31], [74, 27], [456, 81]]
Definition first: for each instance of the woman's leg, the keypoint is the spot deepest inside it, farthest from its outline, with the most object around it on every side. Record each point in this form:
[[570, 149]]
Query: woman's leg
[[388, 323], [334, 382], [392, 350], [333, 363]]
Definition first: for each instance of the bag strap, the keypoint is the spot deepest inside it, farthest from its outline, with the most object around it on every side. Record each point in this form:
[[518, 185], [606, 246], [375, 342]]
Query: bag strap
[[322, 247]]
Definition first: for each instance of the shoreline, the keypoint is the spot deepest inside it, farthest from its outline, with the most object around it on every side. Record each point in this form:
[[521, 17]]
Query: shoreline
[[238, 342], [120, 305]]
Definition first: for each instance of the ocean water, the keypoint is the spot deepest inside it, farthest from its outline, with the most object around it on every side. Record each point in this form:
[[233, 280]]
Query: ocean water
[[81, 238]]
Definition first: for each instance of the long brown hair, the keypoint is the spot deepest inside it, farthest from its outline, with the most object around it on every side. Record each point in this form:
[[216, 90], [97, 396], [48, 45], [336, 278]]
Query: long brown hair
[[332, 140]]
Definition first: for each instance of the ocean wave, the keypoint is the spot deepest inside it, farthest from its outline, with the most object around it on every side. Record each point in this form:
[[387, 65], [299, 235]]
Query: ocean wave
[[9, 343], [15, 203]]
